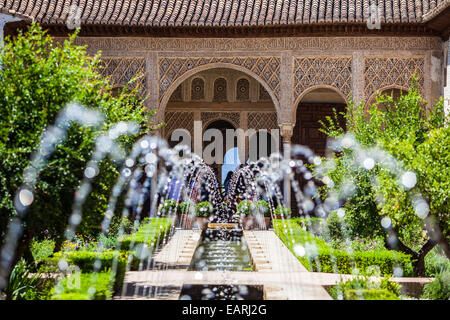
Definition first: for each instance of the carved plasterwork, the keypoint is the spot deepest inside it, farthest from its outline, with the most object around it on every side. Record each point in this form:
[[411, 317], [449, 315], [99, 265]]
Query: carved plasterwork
[[382, 72], [198, 89], [268, 68], [243, 90], [178, 120], [220, 90], [122, 69], [318, 71], [177, 95], [233, 117], [263, 94], [125, 44], [262, 120]]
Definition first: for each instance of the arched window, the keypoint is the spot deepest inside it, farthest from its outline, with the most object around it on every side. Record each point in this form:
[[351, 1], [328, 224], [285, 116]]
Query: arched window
[[220, 90], [198, 89], [243, 90]]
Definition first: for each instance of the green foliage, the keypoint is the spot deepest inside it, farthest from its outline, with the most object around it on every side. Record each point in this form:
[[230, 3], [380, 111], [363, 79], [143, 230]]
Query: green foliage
[[39, 77], [42, 249], [168, 207], [79, 286], [186, 207], [85, 261], [246, 208], [282, 212], [203, 209], [439, 289], [151, 232], [418, 137], [22, 285], [364, 288], [263, 207], [436, 262], [321, 257]]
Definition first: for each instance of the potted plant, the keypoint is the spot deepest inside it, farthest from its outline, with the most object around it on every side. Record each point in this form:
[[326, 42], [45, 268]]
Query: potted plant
[[246, 209], [186, 214], [282, 213], [202, 211], [264, 208], [167, 208]]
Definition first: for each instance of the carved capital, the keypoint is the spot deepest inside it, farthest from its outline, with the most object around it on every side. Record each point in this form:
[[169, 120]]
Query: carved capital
[[287, 130]]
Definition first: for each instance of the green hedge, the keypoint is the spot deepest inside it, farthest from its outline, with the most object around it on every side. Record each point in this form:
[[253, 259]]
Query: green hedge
[[329, 258], [150, 233], [85, 261], [99, 281], [370, 294]]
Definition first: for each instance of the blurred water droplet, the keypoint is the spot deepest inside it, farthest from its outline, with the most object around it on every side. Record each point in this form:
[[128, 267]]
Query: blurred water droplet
[[26, 197], [409, 179]]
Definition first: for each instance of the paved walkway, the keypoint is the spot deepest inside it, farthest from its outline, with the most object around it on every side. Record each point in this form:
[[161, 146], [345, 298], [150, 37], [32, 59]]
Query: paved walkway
[[277, 269]]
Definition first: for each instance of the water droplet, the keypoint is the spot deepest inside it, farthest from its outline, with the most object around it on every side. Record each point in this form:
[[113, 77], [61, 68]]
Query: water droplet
[[299, 250], [129, 163], [150, 158], [26, 197], [90, 172], [386, 222], [409, 179], [368, 163]]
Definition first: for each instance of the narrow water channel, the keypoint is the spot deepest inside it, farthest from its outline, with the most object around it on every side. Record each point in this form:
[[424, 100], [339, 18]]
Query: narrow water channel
[[222, 250]]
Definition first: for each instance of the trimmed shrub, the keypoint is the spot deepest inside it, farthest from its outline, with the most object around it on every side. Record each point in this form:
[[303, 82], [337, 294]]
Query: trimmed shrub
[[186, 207], [263, 207], [203, 209], [65, 290], [363, 288], [151, 232], [282, 211], [370, 294], [168, 207], [246, 208], [320, 257]]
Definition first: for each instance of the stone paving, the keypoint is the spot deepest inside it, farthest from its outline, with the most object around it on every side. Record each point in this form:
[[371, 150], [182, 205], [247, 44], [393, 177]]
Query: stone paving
[[277, 269]]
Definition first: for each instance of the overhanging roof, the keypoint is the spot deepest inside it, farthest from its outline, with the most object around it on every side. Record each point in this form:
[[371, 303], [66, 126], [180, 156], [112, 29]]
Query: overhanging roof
[[226, 14]]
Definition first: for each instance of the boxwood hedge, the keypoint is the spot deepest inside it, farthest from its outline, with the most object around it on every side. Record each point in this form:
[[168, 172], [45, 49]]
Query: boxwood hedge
[[321, 257]]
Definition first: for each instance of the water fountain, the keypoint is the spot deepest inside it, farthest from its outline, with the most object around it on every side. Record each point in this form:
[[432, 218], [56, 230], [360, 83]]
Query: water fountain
[[154, 173]]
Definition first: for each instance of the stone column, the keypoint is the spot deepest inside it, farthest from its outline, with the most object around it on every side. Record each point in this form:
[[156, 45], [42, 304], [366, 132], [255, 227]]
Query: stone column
[[151, 69], [287, 130], [357, 77]]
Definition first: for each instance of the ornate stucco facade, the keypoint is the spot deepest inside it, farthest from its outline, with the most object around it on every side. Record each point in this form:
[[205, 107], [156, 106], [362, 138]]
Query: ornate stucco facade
[[287, 50]]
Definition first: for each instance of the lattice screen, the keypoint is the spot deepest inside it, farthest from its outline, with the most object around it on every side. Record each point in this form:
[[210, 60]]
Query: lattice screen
[[122, 69], [331, 71], [178, 120], [262, 120], [381, 72], [268, 68]]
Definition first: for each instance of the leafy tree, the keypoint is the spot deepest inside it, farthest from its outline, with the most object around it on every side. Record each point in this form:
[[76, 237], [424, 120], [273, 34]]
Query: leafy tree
[[39, 77], [418, 137]]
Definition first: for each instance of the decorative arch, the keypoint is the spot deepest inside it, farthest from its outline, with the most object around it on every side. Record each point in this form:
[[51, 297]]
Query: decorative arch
[[371, 99], [210, 117], [173, 71], [311, 89]]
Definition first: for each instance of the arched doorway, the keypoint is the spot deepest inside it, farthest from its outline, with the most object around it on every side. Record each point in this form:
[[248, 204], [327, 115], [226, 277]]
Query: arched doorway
[[314, 108], [219, 98], [222, 126]]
